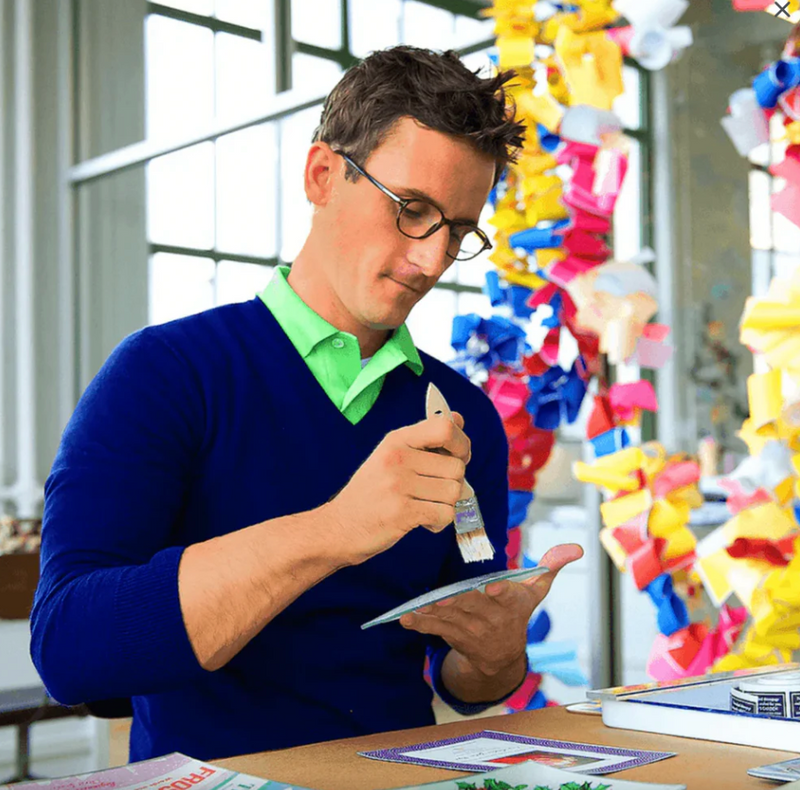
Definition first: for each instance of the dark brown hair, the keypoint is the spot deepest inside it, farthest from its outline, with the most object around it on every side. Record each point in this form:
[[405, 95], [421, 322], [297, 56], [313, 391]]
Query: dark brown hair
[[436, 89]]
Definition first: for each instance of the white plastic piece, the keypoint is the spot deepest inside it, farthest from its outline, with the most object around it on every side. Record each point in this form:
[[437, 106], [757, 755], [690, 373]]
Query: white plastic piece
[[585, 124], [747, 124]]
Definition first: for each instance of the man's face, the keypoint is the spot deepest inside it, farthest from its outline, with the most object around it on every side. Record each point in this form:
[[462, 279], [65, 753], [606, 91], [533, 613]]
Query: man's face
[[375, 272]]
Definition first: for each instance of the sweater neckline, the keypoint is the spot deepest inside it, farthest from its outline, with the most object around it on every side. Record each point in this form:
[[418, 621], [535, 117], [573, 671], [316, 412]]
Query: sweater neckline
[[313, 391]]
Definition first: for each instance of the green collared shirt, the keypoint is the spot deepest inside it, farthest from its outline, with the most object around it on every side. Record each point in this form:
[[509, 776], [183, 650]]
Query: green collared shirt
[[334, 357]]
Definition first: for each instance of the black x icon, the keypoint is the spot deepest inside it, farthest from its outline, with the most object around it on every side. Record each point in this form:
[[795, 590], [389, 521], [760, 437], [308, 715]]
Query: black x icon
[[782, 9]]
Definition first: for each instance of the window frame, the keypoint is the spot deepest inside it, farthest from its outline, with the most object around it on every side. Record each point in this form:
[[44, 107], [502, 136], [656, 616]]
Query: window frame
[[285, 106], [286, 47]]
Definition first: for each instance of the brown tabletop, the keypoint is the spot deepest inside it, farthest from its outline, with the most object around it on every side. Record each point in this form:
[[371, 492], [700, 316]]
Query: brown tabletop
[[335, 765]]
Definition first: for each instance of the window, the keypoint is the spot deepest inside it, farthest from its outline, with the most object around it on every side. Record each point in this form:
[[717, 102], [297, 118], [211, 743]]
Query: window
[[775, 240], [240, 198], [235, 207], [212, 215]]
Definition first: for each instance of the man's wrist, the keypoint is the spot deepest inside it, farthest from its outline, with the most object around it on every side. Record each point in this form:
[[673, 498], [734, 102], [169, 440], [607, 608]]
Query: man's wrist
[[471, 685], [314, 539]]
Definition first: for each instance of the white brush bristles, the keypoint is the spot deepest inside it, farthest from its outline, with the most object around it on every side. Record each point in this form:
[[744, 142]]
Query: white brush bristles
[[475, 546]]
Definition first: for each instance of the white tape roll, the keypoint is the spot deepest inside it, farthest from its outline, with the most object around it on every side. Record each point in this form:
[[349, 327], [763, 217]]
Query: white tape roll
[[777, 696]]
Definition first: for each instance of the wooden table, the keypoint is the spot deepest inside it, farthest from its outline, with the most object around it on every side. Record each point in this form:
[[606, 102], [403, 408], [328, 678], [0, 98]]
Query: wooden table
[[335, 765]]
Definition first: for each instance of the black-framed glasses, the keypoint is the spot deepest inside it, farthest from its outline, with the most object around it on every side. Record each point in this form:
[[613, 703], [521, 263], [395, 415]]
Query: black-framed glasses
[[418, 219]]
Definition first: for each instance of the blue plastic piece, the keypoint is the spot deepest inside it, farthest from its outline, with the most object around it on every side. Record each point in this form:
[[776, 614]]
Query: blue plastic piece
[[538, 627], [610, 442]]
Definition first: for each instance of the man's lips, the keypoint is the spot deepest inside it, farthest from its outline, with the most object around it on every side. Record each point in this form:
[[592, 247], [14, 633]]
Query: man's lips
[[406, 285]]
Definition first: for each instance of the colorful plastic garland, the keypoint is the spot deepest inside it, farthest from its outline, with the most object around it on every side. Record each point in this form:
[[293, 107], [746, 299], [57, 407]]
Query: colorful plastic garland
[[562, 307]]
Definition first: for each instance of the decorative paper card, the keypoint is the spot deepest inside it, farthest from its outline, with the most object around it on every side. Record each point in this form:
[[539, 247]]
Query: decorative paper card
[[535, 776], [491, 749], [476, 583]]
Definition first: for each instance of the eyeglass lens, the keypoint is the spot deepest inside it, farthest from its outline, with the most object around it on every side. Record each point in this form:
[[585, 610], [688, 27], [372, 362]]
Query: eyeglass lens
[[418, 217]]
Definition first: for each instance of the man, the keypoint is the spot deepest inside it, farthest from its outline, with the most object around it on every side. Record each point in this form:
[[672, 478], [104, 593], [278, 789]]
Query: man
[[238, 491]]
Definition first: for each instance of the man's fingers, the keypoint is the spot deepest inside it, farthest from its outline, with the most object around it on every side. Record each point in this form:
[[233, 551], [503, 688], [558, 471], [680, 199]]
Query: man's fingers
[[435, 626], [459, 629], [472, 601], [554, 559], [437, 433], [559, 556], [445, 491], [429, 464]]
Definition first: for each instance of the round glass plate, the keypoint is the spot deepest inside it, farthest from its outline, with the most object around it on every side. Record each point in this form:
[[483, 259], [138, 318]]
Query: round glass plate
[[476, 583]]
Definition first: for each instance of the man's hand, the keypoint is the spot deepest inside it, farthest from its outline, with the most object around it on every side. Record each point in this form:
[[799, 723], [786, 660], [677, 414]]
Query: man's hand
[[488, 631], [402, 485]]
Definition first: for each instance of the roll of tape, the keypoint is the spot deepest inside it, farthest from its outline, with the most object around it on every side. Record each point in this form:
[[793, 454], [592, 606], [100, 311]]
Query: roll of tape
[[777, 696]]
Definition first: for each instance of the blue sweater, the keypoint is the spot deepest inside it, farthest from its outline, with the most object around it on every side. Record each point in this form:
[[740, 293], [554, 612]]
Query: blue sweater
[[200, 427]]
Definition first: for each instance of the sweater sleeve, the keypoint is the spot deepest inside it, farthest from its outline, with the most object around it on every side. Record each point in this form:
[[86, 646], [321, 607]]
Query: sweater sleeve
[[106, 620], [488, 475]]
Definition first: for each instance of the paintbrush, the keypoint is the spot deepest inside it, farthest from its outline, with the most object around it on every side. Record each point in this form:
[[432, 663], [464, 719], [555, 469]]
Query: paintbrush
[[473, 542]]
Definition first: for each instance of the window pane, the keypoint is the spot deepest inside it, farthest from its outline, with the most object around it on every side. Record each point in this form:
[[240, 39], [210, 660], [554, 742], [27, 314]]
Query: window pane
[[479, 60], [246, 191], [179, 285], [245, 76], [309, 72], [760, 211], [431, 323], [628, 106], [473, 272], [627, 213], [296, 132], [180, 76], [474, 303], [374, 24], [451, 275], [240, 282], [318, 22], [202, 7], [761, 264], [470, 31], [249, 13], [180, 197], [426, 26]]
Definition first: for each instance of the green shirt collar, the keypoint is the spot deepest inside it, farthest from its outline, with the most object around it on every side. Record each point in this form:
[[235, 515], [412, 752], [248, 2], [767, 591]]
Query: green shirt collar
[[306, 329]]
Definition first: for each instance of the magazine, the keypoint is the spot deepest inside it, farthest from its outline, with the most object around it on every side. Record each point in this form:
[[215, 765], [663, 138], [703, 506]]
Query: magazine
[[173, 772]]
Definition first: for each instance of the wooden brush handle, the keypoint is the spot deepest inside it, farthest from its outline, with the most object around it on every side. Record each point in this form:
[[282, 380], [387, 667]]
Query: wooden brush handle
[[436, 404]]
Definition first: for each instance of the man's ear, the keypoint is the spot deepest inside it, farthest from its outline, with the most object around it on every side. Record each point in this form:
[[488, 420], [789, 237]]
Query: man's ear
[[321, 164]]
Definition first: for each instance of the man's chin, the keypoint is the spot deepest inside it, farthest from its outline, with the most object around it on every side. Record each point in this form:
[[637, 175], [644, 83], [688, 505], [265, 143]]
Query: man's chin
[[389, 320], [387, 324]]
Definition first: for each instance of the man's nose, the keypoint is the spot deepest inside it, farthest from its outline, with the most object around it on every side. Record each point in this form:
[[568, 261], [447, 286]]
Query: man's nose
[[430, 254]]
